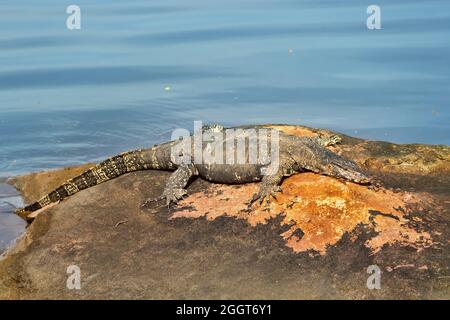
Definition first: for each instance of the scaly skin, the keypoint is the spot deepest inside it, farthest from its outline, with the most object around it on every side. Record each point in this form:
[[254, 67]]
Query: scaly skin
[[296, 154]]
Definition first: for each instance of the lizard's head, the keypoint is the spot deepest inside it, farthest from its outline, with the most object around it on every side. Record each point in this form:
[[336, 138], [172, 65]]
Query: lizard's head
[[345, 169]]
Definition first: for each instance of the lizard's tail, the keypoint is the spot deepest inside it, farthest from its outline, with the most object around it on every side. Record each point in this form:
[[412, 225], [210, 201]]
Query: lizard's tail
[[104, 171]]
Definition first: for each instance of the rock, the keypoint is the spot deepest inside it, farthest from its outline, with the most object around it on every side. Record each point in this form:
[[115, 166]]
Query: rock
[[315, 241], [34, 185]]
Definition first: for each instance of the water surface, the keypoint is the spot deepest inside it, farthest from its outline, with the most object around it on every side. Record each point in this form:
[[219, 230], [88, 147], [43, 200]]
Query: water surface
[[11, 226]]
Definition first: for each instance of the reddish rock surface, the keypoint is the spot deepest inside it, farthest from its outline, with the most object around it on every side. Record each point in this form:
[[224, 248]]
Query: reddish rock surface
[[322, 209]]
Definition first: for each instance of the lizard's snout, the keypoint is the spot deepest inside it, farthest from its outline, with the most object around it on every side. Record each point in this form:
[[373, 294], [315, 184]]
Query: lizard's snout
[[351, 172]]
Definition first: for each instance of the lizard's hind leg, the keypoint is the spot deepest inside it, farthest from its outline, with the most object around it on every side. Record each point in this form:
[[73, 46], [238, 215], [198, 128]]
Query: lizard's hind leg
[[175, 186]]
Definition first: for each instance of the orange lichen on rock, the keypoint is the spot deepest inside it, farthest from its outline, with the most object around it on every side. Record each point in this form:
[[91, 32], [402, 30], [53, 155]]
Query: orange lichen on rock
[[391, 231], [322, 208]]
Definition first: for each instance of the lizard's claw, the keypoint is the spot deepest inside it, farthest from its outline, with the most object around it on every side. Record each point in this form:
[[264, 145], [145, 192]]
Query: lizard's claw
[[170, 195], [173, 195], [265, 193], [150, 200]]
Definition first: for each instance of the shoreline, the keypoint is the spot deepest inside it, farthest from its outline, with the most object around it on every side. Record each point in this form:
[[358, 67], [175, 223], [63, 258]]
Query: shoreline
[[11, 225]]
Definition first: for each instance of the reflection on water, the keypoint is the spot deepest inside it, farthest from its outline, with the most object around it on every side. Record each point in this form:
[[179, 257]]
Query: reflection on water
[[69, 97]]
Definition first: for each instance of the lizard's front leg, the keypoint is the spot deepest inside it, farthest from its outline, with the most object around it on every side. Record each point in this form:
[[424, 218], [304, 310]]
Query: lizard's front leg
[[175, 186], [270, 184]]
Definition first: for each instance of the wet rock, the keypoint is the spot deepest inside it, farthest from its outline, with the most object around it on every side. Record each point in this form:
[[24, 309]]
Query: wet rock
[[315, 241]]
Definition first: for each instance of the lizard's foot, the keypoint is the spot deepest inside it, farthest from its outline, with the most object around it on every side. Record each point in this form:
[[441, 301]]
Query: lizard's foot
[[173, 195], [265, 193], [170, 195]]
